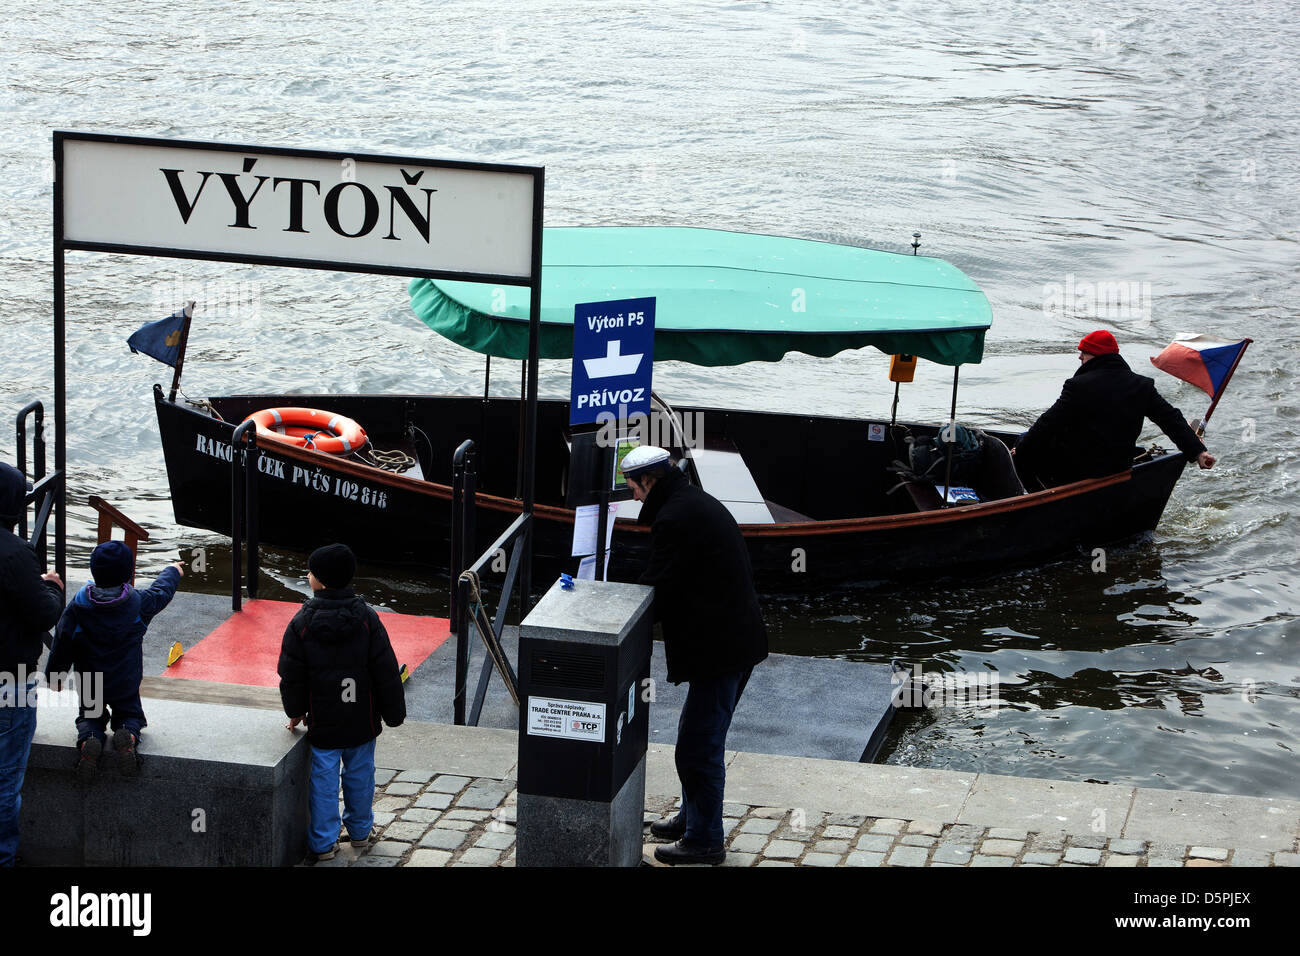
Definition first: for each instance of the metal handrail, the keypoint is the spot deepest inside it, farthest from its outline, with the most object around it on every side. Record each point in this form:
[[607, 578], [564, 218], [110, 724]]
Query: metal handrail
[[44, 493], [462, 471], [462, 531], [46, 488], [516, 538], [38, 450]]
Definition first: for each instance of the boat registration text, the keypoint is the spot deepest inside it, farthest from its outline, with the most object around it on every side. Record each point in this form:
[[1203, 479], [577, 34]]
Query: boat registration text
[[315, 478]]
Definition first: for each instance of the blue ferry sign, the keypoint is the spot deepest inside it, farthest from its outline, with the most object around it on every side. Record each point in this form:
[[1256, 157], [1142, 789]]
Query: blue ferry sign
[[613, 359]]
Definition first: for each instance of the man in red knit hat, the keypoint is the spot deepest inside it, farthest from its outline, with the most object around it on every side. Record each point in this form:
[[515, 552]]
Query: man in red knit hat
[[1093, 428]]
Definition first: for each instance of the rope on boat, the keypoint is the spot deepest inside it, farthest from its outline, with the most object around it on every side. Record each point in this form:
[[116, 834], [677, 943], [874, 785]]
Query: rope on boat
[[396, 461], [478, 614], [202, 403]]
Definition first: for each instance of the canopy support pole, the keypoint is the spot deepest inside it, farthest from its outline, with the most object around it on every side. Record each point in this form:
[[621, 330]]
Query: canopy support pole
[[952, 435], [487, 376], [893, 415]]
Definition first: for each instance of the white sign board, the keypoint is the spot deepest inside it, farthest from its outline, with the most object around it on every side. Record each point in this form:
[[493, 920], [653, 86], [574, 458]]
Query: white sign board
[[358, 213], [574, 719], [586, 523]]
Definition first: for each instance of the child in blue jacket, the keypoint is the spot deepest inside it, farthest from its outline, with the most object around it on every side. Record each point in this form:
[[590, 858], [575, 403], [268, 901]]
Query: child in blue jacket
[[102, 633]]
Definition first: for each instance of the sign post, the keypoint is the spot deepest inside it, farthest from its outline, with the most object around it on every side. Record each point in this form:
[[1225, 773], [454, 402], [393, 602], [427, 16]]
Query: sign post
[[613, 367], [613, 359], [312, 209]]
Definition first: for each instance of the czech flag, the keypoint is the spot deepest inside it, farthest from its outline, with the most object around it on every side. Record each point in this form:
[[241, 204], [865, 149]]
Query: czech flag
[[161, 340], [1204, 361]]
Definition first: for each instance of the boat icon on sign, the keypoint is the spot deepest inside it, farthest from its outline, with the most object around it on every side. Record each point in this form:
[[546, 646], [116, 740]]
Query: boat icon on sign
[[613, 364]]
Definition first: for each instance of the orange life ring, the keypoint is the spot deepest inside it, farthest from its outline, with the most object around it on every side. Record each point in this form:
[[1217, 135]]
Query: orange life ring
[[310, 428]]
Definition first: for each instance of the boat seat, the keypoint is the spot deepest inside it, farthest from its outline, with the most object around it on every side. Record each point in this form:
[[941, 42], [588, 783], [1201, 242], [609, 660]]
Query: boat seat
[[724, 474], [782, 513], [924, 495], [997, 477]]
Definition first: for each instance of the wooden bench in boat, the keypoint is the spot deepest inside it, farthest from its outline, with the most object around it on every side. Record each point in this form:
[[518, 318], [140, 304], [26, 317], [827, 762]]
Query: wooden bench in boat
[[724, 474]]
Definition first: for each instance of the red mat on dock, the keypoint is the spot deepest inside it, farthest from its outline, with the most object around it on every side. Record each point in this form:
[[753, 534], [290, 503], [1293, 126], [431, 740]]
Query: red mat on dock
[[245, 649]]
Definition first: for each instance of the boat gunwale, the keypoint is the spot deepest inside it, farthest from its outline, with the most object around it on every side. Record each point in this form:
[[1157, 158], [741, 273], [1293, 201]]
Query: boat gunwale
[[827, 526]]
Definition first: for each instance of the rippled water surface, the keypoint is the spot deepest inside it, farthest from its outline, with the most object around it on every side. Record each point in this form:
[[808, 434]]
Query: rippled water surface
[[1149, 143]]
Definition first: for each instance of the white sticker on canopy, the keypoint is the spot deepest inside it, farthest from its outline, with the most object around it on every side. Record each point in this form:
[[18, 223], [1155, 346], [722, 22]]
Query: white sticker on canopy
[[573, 719]]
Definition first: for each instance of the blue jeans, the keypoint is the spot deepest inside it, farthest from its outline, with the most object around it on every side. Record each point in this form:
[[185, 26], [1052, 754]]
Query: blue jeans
[[358, 795], [127, 713], [701, 740], [17, 727]]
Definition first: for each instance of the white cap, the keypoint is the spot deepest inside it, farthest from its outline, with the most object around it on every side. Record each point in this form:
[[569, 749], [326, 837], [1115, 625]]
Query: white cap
[[642, 459]]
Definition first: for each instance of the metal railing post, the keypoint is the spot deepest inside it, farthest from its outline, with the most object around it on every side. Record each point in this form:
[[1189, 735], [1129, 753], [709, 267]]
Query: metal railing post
[[38, 456], [461, 467], [252, 538], [469, 510], [461, 622], [238, 488]]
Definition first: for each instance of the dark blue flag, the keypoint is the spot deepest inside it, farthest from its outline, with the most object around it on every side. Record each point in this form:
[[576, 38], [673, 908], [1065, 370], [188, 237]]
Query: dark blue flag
[[160, 340]]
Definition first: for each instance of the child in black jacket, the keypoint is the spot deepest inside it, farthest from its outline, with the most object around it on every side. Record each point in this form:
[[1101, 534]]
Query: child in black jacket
[[339, 675]]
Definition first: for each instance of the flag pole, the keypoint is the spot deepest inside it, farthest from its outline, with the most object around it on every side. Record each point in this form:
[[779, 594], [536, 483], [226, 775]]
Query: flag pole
[[1200, 428], [180, 355]]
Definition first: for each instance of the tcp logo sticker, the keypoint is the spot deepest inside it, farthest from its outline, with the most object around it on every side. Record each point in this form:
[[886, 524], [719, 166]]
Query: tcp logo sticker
[[574, 719]]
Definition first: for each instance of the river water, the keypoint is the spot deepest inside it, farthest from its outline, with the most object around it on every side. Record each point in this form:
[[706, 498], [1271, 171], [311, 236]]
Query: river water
[[1034, 145]]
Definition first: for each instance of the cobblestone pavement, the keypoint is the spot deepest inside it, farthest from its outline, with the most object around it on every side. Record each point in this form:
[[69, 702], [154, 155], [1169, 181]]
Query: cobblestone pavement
[[429, 819]]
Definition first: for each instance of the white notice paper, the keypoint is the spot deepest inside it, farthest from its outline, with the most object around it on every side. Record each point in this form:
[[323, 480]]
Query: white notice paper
[[586, 519], [587, 567]]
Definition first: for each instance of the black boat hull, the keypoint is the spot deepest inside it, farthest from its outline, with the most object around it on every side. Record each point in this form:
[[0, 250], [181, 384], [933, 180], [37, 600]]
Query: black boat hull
[[307, 499]]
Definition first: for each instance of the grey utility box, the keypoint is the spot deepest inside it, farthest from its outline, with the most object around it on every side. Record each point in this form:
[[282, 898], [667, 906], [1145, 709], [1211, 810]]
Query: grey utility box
[[219, 785], [584, 659]]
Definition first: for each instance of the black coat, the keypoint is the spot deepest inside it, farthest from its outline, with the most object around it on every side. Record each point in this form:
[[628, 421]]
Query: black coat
[[704, 589], [338, 668], [1093, 428], [29, 607]]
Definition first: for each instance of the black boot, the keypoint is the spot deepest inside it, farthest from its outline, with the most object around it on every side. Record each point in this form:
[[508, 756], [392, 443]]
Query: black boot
[[670, 829], [92, 748], [682, 852], [125, 750]]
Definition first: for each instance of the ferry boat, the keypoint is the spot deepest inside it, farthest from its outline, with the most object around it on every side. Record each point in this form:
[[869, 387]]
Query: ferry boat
[[822, 501]]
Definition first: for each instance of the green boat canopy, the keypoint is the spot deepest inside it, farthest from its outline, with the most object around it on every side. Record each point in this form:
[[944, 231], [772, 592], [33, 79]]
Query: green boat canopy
[[723, 298]]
